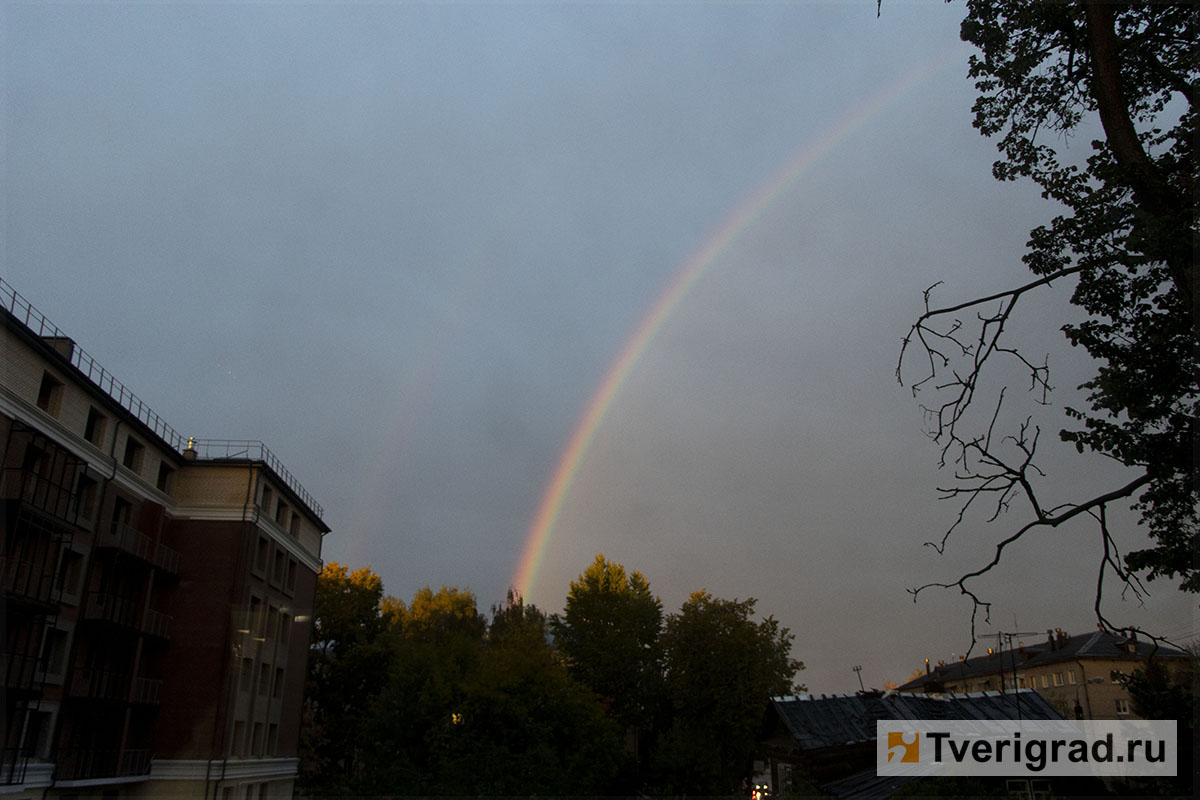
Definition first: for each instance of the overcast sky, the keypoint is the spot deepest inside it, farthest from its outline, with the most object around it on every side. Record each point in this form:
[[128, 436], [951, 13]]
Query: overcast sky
[[404, 243]]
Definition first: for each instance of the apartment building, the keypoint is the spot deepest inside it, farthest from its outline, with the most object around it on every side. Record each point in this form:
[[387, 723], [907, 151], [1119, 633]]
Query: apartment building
[[1075, 674], [157, 590]]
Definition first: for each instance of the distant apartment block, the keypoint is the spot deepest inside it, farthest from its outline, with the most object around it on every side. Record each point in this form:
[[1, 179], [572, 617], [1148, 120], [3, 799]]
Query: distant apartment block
[[1073, 673], [157, 590]]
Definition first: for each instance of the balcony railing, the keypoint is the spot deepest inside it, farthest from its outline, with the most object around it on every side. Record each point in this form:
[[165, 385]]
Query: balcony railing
[[253, 450], [157, 624], [36, 322], [81, 763], [166, 558], [112, 608], [38, 491], [100, 684], [13, 761], [145, 691], [127, 539], [22, 673], [30, 581]]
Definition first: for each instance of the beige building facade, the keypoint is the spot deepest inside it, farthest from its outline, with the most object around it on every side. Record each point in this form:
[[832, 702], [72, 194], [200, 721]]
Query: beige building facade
[[1074, 674]]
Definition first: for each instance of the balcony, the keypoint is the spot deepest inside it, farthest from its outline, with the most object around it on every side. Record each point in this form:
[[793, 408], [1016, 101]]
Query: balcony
[[166, 559], [21, 673], [83, 763], [145, 691], [37, 491], [128, 540], [100, 684], [31, 582], [124, 537], [105, 607], [13, 762], [157, 624]]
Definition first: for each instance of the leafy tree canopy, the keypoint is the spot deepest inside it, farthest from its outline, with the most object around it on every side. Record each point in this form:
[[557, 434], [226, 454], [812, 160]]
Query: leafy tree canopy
[[346, 607], [1126, 75], [722, 667], [609, 634], [348, 664], [432, 616]]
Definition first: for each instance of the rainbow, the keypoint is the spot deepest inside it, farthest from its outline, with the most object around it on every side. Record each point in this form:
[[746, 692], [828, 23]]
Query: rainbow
[[692, 270]]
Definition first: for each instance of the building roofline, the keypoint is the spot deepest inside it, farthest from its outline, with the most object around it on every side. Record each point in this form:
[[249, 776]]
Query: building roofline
[[1067, 649], [30, 324]]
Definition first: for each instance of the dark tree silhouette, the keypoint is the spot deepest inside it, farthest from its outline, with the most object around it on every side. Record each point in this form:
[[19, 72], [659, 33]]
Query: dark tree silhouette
[[1126, 243]]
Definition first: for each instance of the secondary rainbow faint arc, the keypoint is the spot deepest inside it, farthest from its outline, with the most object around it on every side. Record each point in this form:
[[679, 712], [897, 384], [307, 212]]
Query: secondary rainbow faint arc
[[693, 269]]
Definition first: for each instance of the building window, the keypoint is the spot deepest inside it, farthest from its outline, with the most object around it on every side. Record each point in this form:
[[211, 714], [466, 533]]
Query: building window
[[295, 528], [1021, 682], [54, 653], [94, 430], [261, 555], [246, 674], [49, 397], [1058, 679], [281, 514], [134, 451], [272, 742], [256, 743], [277, 575], [277, 689], [1071, 677], [290, 584], [285, 628], [268, 497], [239, 736], [34, 458], [164, 476], [1122, 706], [264, 678], [70, 575], [121, 513], [254, 623], [38, 730], [85, 499]]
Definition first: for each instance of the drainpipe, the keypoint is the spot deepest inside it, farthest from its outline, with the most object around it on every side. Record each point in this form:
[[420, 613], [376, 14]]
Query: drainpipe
[[220, 726]]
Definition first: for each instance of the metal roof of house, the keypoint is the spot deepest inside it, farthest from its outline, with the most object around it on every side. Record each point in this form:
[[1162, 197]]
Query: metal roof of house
[[817, 722], [1097, 644]]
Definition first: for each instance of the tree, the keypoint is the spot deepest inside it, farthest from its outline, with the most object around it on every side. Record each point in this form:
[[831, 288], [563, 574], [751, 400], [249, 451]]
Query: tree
[[466, 713], [440, 615], [409, 728], [722, 667], [1126, 240], [608, 633], [1158, 693], [347, 666], [526, 727]]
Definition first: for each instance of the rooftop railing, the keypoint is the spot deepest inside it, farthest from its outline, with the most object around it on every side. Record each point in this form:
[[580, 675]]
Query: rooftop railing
[[253, 450], [35, 321]]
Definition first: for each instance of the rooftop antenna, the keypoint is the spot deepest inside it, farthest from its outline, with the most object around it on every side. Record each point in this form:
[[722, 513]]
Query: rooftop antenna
[[858, 669]]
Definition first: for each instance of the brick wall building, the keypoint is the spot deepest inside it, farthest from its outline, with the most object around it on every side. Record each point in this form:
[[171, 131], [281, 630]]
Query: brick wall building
[[157, 590]]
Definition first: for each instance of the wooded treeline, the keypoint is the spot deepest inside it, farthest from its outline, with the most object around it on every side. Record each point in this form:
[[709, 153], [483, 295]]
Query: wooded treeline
[[609, 697]]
